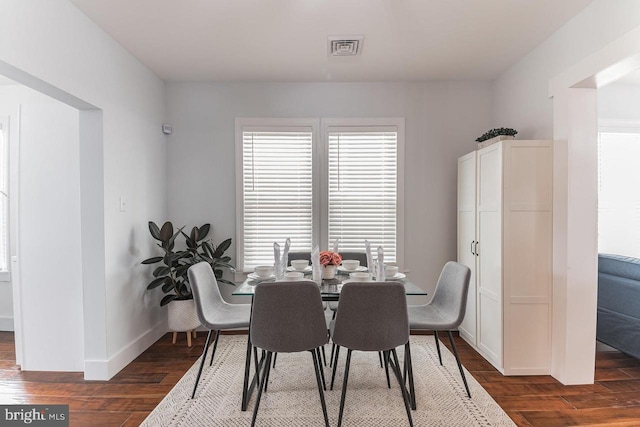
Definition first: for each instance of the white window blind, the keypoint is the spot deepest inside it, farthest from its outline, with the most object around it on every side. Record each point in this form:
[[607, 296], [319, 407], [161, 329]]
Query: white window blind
[[362, 200], [619, 193], [277, 192]]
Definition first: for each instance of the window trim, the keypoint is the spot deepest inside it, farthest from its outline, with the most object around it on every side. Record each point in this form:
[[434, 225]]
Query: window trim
[[366, 123], [5, 275], [246, 124], [618, 126]]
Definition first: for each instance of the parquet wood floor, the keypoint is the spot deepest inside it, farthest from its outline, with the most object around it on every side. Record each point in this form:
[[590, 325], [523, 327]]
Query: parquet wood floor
[[126, 399]]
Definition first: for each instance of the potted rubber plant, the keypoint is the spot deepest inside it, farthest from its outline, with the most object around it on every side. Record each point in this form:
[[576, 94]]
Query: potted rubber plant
[[171, 274]]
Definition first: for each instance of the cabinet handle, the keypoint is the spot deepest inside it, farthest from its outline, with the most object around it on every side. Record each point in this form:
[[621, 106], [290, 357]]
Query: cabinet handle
[[472, 242], [476, 249]]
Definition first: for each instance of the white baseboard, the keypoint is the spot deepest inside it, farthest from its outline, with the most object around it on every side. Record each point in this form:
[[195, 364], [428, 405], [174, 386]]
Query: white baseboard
[[6, 324], [103, 370]]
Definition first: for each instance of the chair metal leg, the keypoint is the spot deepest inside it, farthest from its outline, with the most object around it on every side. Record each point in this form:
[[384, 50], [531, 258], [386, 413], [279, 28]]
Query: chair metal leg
[[455, 353], [404, 370], [316, 364], [261, 385], [333, 349], [247, 367], [204, 356], [412, 390], [386, 367], [335, 366], [317, 352], [266, 380], [275, 356], [215, 345], [257, 362], [435, 334], [380, 357], [396, 369], [324, 356], [344, 387]]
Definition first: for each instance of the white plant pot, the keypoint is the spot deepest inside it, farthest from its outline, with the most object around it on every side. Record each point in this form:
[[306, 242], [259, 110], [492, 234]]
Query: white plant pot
[[329, 271], [182, 315]]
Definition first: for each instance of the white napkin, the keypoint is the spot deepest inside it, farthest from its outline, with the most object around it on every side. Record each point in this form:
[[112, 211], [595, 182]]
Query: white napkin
[[285, 256], [335, 246], [280, 262], [367, 248], [315, 264], [380, 267], [277, 264]]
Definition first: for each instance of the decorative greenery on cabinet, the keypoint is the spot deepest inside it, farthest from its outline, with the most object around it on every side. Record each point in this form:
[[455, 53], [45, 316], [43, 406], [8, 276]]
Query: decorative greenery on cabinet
[[497, 132]]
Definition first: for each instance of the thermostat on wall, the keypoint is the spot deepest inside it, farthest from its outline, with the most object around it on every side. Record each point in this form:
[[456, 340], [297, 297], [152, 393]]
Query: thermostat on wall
[[167, 129]]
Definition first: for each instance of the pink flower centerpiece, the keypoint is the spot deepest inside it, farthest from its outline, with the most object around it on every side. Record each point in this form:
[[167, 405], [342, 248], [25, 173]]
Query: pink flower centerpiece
[[330, 262], [330, 258]]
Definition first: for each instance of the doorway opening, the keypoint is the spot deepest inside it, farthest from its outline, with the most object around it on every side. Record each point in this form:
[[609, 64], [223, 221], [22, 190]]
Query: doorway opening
[[56, 240]]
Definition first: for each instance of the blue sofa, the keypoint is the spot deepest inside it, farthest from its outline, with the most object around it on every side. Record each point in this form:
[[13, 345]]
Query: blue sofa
[[619, 303]]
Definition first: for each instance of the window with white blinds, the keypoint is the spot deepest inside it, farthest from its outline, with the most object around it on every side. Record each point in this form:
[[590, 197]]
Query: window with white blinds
[[293, 183], [277, 191], [619, 193], [363, 188]]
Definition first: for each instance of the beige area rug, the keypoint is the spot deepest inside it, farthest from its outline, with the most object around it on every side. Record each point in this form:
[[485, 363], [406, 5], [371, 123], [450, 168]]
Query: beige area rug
[[292, 397]]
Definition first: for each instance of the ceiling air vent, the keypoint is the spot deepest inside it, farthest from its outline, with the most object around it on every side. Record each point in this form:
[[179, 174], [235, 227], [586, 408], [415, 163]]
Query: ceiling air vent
[[345, 45]]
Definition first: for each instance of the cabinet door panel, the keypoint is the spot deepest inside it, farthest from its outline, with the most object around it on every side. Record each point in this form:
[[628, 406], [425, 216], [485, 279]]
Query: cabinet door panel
[[490, 253], [489, 235], [490, 328], [467, 237]]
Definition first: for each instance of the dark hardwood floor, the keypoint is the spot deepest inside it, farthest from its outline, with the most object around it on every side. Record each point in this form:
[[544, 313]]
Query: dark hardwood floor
[[128, 398]]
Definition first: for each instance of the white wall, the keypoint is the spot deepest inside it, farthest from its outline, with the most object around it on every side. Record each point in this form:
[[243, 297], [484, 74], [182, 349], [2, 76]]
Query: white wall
[[619, 102], [521, 94], [51, 44], [442, 121], [521, 100]]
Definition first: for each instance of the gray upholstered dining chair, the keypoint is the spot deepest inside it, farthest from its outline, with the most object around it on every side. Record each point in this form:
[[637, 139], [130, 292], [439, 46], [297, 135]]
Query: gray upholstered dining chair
[[298, 255], [333, 305], [446, 310], [359, 256], [287, 318], [306, 256], [372, 317], [214, 312]]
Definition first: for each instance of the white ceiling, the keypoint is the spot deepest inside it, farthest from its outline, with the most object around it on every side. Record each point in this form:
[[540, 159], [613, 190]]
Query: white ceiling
[[286, 40]]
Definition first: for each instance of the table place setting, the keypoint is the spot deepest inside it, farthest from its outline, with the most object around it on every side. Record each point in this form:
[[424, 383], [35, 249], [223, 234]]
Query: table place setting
[[345, 270], [325, 267]]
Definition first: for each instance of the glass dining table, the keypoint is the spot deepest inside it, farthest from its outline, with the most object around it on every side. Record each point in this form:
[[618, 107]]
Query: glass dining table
[[329, 290]]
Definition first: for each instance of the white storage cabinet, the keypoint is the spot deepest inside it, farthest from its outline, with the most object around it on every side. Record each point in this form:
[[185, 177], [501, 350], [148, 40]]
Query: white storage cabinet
[[505, 195]]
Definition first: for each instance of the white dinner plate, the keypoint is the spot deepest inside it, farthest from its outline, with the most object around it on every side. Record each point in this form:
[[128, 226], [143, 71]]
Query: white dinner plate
[[344, 270], [255, 276], [307, 269], [397, 276]]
